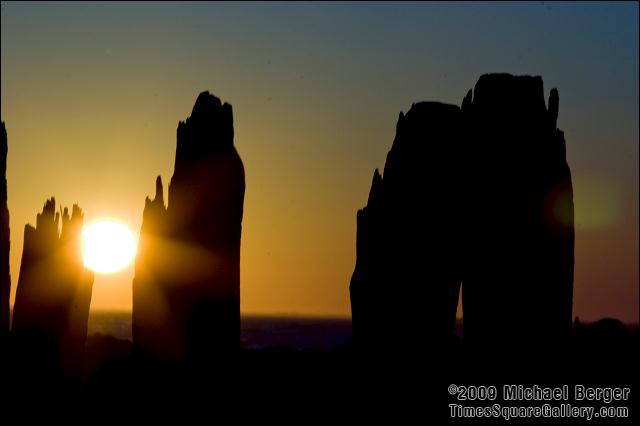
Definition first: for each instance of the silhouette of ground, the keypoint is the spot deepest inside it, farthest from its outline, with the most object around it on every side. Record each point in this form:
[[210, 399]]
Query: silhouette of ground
[[286, 384]]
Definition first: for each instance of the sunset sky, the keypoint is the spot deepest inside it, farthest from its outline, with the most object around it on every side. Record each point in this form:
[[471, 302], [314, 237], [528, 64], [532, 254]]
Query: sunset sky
[[92, 94]]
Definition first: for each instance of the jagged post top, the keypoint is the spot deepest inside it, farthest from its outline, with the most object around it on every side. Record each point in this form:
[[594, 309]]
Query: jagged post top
[[499, 95], [49, 219], [504, 88], [425, 121], [501, 92], [207, 131], [430, 107], [208, 104], [158, 199], [51, 228], [424, 112], [421, 112]]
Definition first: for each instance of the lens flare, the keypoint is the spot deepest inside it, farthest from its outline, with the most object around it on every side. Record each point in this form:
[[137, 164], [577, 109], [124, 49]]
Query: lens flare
[[598, 202], [107, 246]]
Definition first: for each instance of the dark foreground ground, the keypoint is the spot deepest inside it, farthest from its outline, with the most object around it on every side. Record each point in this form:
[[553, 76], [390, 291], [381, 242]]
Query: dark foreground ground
[[400, 385]]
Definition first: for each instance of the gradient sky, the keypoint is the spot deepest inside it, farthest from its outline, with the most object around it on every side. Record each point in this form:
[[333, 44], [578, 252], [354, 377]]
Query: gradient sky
[[92, 94]]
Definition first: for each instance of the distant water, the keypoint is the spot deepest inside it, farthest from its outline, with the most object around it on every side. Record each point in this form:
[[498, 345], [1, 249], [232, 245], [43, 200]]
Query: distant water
[[114, 323], [257, 332]]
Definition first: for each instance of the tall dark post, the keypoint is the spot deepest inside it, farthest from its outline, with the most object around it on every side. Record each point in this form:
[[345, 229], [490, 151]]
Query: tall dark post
[[405, 286], [186, 292], [482, 195], [5, 277], [53, 296], [519, 233]]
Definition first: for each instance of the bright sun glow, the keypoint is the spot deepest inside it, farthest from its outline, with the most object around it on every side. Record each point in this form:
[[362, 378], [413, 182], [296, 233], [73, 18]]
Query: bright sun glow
[[107, 246]]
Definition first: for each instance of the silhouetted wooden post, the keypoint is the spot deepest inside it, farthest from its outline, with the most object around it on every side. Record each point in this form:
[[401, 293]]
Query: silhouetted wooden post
[[52, 297], [5, 277], [484, 195], [186, 292], [518, 207], [405, 286]]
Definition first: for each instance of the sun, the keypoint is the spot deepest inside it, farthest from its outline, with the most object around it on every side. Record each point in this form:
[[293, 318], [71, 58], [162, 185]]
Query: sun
[[107, 246]]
